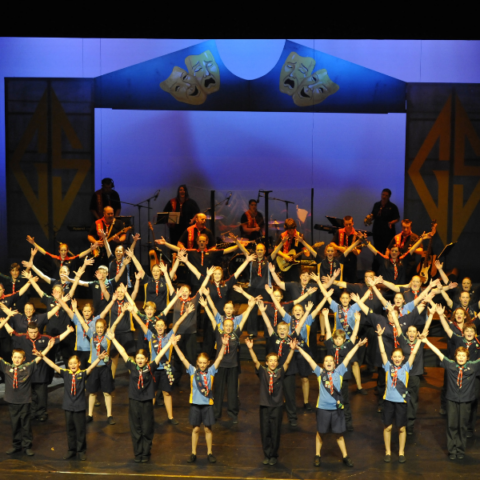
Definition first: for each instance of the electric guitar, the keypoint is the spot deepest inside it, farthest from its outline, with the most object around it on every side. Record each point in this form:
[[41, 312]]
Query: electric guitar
[[96, 252], [423, 268], [152, 254], [285, 266]]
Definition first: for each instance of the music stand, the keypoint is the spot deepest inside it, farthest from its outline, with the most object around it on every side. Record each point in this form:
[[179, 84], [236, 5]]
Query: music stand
[[167, 217], [336, 222], [126, 219], [447, 249]]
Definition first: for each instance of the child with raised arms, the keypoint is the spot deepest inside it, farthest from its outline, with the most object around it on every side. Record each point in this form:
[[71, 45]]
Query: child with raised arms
[[271, 399], [141, 392], [74, 401], [330, 409], [201, 396]]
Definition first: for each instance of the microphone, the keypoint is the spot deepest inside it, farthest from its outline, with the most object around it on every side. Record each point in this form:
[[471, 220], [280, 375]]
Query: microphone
[[228, 199], [156, 195], [258, 196]]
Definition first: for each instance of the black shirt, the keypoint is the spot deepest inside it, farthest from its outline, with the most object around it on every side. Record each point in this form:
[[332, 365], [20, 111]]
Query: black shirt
[[111, 199], [23, 393], [60, 321], [454, 392], [381, 218], [99, 301], [327, 268], [43, 372], [8, 301], [260, 222], [387, 270], [372, 301], [187, 211], [275, 342], [339, 354], [407, 349], [276, 398], [202, 261], [73, 401], [126, 323], [350, 261], [219, 299], [257, 281], [8, 284], [460, 341], [189, 325], [114, 267], [211, 240], [150, 286], [295, 290], [141, 386], [20, 322], [230, 357]]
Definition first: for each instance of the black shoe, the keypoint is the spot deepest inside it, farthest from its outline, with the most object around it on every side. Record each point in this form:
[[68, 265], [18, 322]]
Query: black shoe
[[43, 418], [192, 458], [401, 459], [349, 428], [273, 461], [145, 459], [469, 433], [97, 404], [13, 450], [70, 454], [347, 462], [138, 459], [317, 461], [307, 408], [29, 452], [460, 456], [362, 391], [442, 412], [452, 456], [387, 458], [293, 423], [89, 419], [110, 420], [211, 458], [266, 460], [172, 421], [234, 419], [409, 430], [82, 456]]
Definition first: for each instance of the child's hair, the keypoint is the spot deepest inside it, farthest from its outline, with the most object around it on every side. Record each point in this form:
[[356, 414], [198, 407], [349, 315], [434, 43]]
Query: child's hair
[[298, 305], [75, 356], [344, 292], [282, 324], [463, 350], [472, 326], [339, 333], [212, 280], [103, 267], [16, 266], [204, 355], [31, 304], [142, 351], [306, 269], [271, 354], [88, 304], [228, 320], [277, 289], [181, 285], [158, 319], [57, 286], [397, 350], [102, 320], [32, 326], [329, 356], [22, 352], [151, 305]]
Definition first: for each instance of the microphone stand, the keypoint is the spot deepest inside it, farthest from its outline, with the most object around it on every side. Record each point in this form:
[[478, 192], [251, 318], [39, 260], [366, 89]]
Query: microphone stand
[[265, 195], [286, 204]]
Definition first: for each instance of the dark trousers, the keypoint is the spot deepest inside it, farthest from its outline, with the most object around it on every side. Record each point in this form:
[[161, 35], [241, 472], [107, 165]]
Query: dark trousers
[[188, 346], [381, 385], [39, 399], [208, 337], [76, 431], [473, 412], [346, 403], [412, 403], [372, 346], [228, 377], [312, 338], [458, 415], [140, 415], [443, 392], [270, 427], [21, 425], [289, 394]]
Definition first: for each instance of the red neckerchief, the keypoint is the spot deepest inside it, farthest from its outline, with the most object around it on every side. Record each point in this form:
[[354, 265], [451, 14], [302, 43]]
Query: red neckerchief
[[345, 313], [146, 323], [191, 235], [205, 382], [399, 311], [343, 236], [119, 266], [395, 340], [280, 347], [337, 355], [159, 338], [260, 264], [330, 379], [156, 287], [402, 238], [370, 296], [270, 382], [288, 241], [173, 203], [395, 269], [251, 220], [395, 376], [88, 324], [183, 305], [331, 267], [460, 377], [73, 390], [119, 307], [57, 314], [415, 293], [202, 252], [140, 378], [218, 291], [15, 377], [13, 286], [275, 317], [227, 346], [99, 342]]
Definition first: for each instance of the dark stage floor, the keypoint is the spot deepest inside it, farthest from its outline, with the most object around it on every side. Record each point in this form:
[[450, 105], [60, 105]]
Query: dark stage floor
[[238, 447]]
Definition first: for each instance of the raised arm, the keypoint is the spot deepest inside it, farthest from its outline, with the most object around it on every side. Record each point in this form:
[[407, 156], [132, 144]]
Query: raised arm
[[310, 291], [307, 357], [439, 267], [162, 241], [31, 240], [412, 356], [136, 288], [293, 347], [100, 357], [190, 308], [221, 353], [213, 308], [58, 297], [109, 306], [321, 286], [433, 348], [183, 257], [377, 293], [130, 254], [417, 244], [381, 346], [308, 247], [44, 277], [239, 245], [249, 344], [322, 303], [352, 352], [300, 324], [275, 277], [4, 321], [243, 266], [246, 313], [352, 247], [179, 353], [277, 304], [203, 302], [444, 322], [43, 356], [119, 347], [164, 350], [390, 286], [66, 333], [277, 250], [356, 328], [328, 330], [140, 322], [136, 238], [168, 280], [359, 302], [263, 311], [241, 291], [447, 298], [26, 274]]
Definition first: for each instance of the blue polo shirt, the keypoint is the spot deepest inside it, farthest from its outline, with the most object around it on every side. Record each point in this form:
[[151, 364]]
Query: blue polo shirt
[[82, 341], [352, 309], [304, 334], [391, 393], [236, 320], [156, 345], [325, 400], [196, 397]]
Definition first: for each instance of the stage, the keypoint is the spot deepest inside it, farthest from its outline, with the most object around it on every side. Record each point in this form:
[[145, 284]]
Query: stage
[[238, 447]]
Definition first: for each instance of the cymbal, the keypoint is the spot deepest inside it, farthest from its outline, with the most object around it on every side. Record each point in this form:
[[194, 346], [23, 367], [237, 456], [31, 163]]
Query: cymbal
[[217, 217], [275, 222]]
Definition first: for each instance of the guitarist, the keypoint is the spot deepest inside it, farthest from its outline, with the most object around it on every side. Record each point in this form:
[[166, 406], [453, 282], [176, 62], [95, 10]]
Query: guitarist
[[290, 238], [112, 228]]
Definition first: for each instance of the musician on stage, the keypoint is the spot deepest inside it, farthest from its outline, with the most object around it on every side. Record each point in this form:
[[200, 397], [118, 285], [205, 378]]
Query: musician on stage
[[187, 207], [384, 216], [252, 223], [290, 239], [111, 227], [105, 197], [189, 237], [404, 241], [344, 237]]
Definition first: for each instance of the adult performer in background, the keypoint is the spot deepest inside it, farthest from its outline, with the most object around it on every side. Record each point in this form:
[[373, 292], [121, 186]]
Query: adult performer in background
[[252, 223], [105, 197], [187, 207]]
